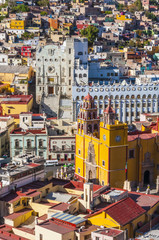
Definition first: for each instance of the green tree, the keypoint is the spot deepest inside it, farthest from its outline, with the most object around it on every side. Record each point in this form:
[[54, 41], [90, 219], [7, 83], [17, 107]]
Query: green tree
[[138, 5], [27, 35], [91, 32], [20, 8], [43, 13], [120, 7], [150, 16], [43, 3], [131, 43]]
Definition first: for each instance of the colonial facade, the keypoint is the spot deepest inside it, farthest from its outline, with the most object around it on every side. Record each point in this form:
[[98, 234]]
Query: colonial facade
[[28, 142], [107, 155], [128, 101], [62, 148], [57, 68]]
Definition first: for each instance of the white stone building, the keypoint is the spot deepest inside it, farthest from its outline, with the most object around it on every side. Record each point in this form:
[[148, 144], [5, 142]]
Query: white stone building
[[127, 100], [57, 68]]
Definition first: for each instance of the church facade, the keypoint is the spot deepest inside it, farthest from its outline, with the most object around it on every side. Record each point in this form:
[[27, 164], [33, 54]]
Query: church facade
[[107, 155]]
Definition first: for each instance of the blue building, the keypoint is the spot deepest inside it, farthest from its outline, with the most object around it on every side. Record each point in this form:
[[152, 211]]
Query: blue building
[[31, 137]]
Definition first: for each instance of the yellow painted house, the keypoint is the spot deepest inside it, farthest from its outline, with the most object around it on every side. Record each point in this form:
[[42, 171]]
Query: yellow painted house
[[123, 17], [124, 215], [17, 24], [107, 155], [13, 105]]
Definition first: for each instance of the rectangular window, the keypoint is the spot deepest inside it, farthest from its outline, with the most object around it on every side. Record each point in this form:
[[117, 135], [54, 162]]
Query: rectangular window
[[8, 110], [102, 183], [63, 147], [69, 50], [69, 71], [41, 154], [131, 153], [54, 148], [73, 147], [79, 170], [79, 151], [40, 236], [103, 163], [58, 156]]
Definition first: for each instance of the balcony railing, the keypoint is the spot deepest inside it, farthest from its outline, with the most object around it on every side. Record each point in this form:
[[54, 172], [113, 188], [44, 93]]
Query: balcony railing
[[60, 150]]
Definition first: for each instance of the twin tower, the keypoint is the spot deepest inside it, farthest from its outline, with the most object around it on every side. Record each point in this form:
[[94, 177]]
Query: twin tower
[[101, 146]]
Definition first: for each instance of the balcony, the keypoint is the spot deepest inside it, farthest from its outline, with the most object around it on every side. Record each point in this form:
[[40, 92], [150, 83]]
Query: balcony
[[30, 148], [42, 147], [18, 147], [60, 150]]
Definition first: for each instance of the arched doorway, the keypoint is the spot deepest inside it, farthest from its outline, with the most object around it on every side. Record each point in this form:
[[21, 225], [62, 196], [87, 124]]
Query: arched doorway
[[90, 175], [146, 177]]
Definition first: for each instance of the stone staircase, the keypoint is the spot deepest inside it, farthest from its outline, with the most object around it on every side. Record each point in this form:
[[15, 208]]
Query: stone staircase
[[50, 106], [65, 108]]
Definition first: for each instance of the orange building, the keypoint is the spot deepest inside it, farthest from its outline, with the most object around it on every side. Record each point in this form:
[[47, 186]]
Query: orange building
[[54, 23]]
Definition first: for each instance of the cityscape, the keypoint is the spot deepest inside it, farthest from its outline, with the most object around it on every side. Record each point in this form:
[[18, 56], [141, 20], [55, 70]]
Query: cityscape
[[79, 119]]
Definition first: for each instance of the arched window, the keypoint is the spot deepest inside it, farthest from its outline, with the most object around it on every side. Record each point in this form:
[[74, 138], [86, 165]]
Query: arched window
[[89, 128], [138, 96], [95, 97], [84, 75], [94, 115], [149, 96], [80, 75], [101, 97], [96, 127]]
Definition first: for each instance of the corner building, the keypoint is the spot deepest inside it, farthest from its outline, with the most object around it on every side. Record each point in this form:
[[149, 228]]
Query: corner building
[[105, 154]]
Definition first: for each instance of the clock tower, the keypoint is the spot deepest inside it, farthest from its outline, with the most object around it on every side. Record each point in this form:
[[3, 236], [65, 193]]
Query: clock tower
[[101, 147], [113, 148]]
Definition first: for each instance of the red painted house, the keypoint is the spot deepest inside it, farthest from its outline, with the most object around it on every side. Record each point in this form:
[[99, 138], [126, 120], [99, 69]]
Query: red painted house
[[26, 51]]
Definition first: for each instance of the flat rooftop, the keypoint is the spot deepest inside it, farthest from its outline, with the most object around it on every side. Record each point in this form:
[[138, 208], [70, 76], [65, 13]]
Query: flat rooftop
[[14, 69], [15, 99], [18, 169], [68, 218]]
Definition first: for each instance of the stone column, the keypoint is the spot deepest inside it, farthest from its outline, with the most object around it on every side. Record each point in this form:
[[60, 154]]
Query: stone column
[[135, 109], [130, 120], [120, 110], [124, 111], [146, 105], [151, 105], [98, 103], [141, 106], [156, 107]]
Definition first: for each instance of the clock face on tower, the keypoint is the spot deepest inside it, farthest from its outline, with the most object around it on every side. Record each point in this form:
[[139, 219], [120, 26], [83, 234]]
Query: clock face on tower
[[104, 137], [118, 138]]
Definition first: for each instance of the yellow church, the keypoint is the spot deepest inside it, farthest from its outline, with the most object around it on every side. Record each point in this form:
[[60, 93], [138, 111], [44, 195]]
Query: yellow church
[[107, 155]]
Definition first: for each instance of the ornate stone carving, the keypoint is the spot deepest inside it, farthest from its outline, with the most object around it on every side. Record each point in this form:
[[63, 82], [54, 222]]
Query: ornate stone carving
[[91, 164]]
